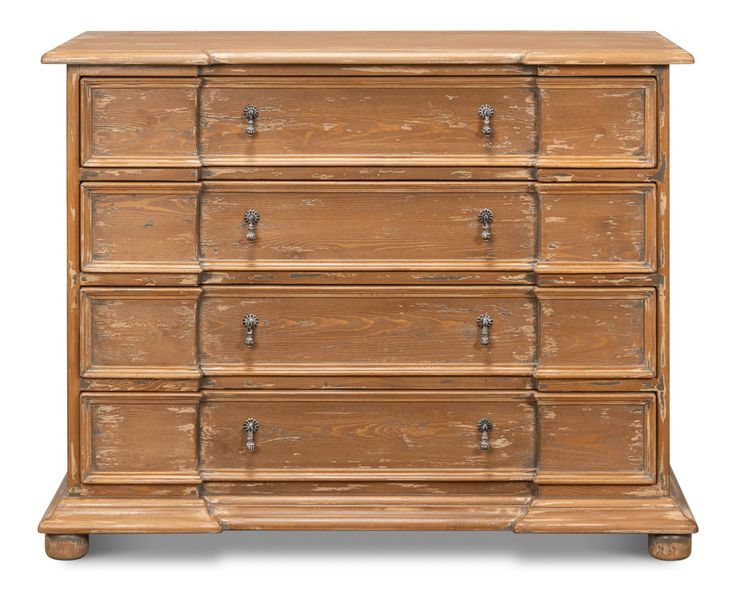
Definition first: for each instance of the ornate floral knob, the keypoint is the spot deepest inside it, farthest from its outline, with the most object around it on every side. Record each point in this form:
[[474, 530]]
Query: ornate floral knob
[[251, 427], [484, 426], [486, 112], [251, 113], [252, 217], [250, 321], [485, 217], [485, 322]]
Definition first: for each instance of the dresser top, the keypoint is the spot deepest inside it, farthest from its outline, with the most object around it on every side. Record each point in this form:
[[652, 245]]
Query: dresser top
[[369, 47]]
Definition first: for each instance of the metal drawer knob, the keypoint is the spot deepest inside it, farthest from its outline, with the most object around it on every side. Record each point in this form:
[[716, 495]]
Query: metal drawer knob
[[486, 112], [251, 427], [485, 322], [250, 321], [251, 113], [485, 217], [484, 426], [252, 217]]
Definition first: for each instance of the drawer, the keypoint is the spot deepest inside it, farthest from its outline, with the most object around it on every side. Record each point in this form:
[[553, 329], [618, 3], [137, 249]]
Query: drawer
[[139, 437], [368, 120], [368, 331], [139, 333], [606, 438], [368, 435], [138, 122], [185, 227], [369, 226]]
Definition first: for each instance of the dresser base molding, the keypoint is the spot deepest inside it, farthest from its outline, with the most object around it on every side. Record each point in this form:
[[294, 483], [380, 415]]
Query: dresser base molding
[[667, 519]]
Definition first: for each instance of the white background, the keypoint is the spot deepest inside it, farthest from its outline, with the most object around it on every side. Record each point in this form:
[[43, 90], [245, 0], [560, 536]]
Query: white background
[[32, 415]]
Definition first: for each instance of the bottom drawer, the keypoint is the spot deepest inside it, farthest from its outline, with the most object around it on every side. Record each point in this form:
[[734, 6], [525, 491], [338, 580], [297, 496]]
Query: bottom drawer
[[158, 438], [369, 435]]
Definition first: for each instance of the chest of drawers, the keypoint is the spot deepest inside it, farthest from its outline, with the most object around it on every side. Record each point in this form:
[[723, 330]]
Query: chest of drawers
[[368, 281]]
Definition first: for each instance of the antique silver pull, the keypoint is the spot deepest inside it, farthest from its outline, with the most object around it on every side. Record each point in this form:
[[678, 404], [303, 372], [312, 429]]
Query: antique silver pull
[[485, 322], [250, 112], [252, 217], [250, 321], [484, 426], [485, 217], [486, 112], [251, 427]]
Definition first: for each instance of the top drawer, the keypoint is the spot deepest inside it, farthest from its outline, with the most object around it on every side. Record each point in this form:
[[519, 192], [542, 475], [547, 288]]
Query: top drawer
[[380, 121]]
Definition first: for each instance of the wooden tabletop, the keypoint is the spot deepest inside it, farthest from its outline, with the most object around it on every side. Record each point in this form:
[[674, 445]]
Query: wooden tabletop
[[369, 47]]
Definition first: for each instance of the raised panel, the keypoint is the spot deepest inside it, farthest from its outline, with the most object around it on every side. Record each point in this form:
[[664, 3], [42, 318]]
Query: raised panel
[[370, 121], [139, 122], [139, 333], [597, 332], [368, 435], [598, 122], [344, 226], [597, 438], [367, 331], [597, 228], [139, 438], [140, 227]]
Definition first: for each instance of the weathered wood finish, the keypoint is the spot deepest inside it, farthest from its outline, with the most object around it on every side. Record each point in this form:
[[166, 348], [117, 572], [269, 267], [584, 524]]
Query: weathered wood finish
[[139, 437], [371, 331], [139, 122], [588, 438], [67, 546], [549, 333], [370, 435], [368, 121], [368, 273], [133, 333]]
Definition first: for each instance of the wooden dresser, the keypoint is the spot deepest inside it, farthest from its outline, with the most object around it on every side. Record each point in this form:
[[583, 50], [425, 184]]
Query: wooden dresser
[[371, 280]]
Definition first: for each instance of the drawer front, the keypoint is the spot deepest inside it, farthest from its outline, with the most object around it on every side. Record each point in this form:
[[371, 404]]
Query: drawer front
[[368, 435], [368, 120], [371, 121], [553, 228], [598, 122], [368, 331], [597, 439], [346, 331], [139, 227], [139, 437], [139, 333], [138, 122], [379, 226], [597, 333]]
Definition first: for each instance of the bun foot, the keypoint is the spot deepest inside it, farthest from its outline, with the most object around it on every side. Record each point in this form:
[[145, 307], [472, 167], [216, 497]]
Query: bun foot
[[67, 546], [670, 546]]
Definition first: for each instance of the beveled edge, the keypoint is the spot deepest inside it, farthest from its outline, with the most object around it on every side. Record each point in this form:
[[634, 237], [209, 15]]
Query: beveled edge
[[450, 47]]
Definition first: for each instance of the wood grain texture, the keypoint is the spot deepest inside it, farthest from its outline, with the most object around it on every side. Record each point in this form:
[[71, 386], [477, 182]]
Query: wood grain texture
[[131, 333], [139, 122], [368, 273], [134, 227], [606, 122], [371, 435], [594, 439], [368, 47], [66, 546], [597, 332], [368, 226], [367, 331], [378, 121], [670, 546], [139, 438], [153, 228]]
